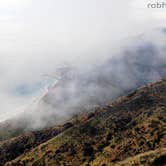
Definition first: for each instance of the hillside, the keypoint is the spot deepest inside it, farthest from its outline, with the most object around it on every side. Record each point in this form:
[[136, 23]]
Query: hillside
[[130, 129], [27, 141]]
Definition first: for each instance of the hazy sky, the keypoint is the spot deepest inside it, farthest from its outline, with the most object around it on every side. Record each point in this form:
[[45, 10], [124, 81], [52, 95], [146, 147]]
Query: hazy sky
[[36, 35]]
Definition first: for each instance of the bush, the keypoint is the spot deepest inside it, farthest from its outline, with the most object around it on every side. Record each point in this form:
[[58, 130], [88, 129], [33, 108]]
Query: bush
[[87, 149]]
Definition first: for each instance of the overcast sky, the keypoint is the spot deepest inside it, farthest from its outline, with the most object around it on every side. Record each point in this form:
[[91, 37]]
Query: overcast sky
[[37, 35]]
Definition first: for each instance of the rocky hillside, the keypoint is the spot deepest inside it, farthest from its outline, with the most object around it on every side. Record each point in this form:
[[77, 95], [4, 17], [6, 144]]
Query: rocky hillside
[[129, 131]]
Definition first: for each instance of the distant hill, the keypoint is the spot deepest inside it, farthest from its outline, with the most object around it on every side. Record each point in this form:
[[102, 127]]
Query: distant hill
[[129, 131]]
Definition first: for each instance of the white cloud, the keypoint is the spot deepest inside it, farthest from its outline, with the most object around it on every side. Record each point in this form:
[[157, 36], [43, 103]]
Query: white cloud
[[13, 3], [36, 35]]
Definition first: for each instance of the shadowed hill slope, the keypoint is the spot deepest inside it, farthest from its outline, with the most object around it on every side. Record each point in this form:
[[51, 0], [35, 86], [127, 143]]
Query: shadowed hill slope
[[132, 125]]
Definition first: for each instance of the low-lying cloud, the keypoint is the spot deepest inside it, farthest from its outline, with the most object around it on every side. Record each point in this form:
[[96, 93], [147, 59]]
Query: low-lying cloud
[[37, 36]]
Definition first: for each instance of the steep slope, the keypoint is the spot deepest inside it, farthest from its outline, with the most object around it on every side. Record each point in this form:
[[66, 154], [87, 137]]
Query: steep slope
[[127, 127]]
